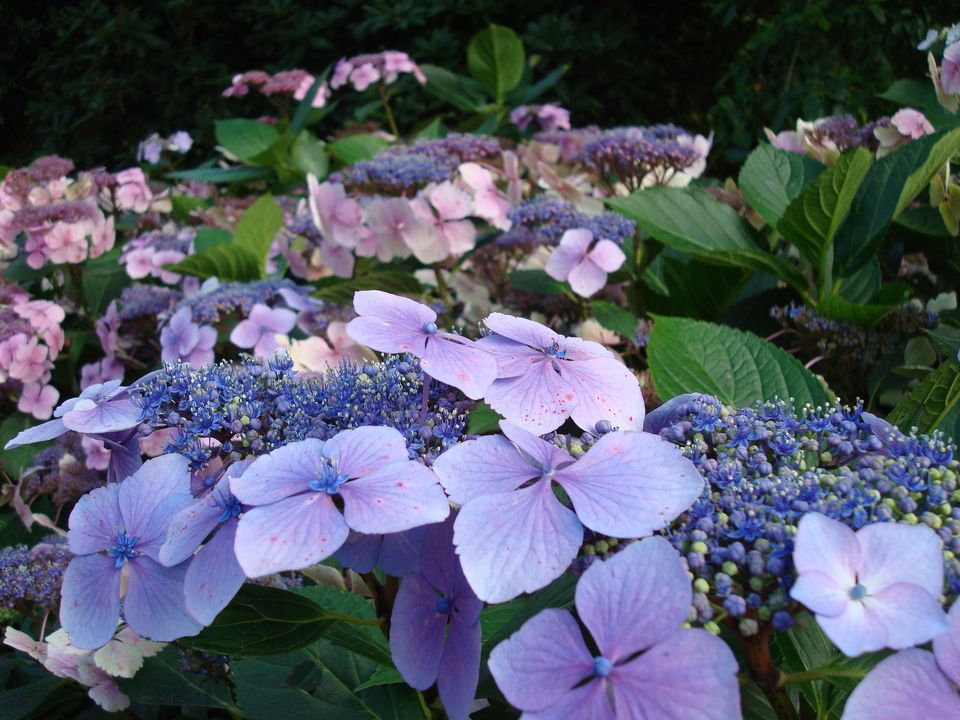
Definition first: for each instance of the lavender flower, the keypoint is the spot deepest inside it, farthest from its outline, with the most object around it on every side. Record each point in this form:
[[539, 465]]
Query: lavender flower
[[31, 577], [543, 220]]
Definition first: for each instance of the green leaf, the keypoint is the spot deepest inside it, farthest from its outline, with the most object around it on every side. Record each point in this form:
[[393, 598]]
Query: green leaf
[[367, 276], [892, 183], [495, 59], [393, 701], [863, 284], [258, 226], [924, 220], [382, 676], [811, 221], [498, 622], [208, 237], [310, 156], [264, 621], [103, 280], [354, 148], [483, 420], [161, 682], [771, 178], [615, 318], [839, 308], [221, 175], [13, 461], [366, 640], [245, 139], [737, 367], [539, 283], [460, 91], [525, 94], [934, 405], [691, 221], [433, 130], [183, 205], [22, 701]]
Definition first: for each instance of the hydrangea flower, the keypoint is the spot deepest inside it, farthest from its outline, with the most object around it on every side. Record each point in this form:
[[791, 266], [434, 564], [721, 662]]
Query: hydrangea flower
[[950, 70], [445, 231], [583, 262], [259, 331], [544, 378], [648, 666], [913, 682], [396, 553], [875, 588], [488, 202], [294, 522], [183, 339], [118, 530], [339, 218], [390, 218], [435, 625], [393, 324], [38, 400], [514, 535]]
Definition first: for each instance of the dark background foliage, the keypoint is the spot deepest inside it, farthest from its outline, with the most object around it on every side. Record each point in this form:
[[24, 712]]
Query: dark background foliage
[[90, 78]]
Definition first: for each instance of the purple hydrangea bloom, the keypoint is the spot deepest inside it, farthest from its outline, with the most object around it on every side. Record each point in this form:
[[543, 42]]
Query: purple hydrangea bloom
[[544, 378], [183, 339], [393, 324], [260, 329], [914, 682], [648, 666], [513, 535], [396, 553], [214, 576], [294, 522], [119, 529], [435, 626], [875, 588]]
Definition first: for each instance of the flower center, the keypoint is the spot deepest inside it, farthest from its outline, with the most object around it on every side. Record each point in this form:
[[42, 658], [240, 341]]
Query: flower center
[[601, 666], [122, 548], [858, 592], [329, 478], [430, 328], [443, 605], [555, 351], [230, 506]]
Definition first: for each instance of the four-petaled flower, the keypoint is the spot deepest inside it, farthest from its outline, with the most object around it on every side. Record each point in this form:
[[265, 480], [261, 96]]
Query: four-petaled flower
[[444, 230], [648, 666], [583, 263], [259, 331], [183, 339]]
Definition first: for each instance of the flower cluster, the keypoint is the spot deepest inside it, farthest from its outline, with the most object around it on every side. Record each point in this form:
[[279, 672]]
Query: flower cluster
[[766, 468], [146, 255], [287, 83], [150, 149], [549, 117], [30, 578], [543, 221], [362, 71]]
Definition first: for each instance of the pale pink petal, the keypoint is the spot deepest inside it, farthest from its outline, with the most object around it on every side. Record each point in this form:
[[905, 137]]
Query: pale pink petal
[[606, 390], [905, 685], [607, 255], [900, 553], [829, 547], [587, 279]]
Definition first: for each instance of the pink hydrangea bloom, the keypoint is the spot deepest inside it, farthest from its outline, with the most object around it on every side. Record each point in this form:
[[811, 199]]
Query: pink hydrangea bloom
[[132, 191], [364, 76], [906, 125], [488, 202], [107, 369], [318, 355], [582, 262], [260, 329], [98, 456], [65, 243], [950, 70], [29, 362], [339, 218], [38, 400], [445, 232], [389, 218], [363, 70]]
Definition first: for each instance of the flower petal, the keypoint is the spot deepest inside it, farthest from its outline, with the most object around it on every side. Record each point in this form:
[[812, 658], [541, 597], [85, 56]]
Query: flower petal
[[417, 632], [152, 497], [638, 598], [910, 614], [900, 553], [118, 413], [396, 497], [606, 390], [562, 261], [488, 464], [460, 363], [544, 454], [905, 685], [607, 255], [947, 646], [154, 605], [630, 484], [95, 520], [827, 546], [291, 534], [521, 330], [90, 606], [360, 552], [689, 676], [511, 543], [538, 401], [587, 278], [539, 664], [513, 358], [460, 667], [820, 593], [39, 433], [190, 527], [362, 450], [214, 575], [279, 474]]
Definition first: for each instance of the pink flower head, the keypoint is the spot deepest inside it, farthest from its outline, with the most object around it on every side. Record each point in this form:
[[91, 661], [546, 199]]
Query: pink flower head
[[488, 202], [38, 400], [390, 218], [544, 378], [107, 369], [323, 92], [444, 232], [913, 682], [788, 140], [553, 117], [41, 314], [98, 456], [582, 262], [66, 242], [183, 339], [878, 587], [950, 70], [364, 76], [132, 192], [393, 324], [315, 354], [395, 62], [912, 123], [338, 218], [259, 330], [634, 606], [341, 73], [29, 362]]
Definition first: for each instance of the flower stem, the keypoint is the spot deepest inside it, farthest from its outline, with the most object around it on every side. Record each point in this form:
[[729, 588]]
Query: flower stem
[[385, 99], [756, 651]]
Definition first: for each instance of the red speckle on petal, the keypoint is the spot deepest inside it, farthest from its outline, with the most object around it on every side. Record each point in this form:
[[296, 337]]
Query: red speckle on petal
[[273, 538]]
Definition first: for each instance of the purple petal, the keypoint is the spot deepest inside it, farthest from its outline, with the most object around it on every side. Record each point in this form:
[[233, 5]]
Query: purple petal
[[417, 632], [546, 455], [90, 606], [154, 605], [820, 593], [586, 702], [671, 411], [438, 558], [562, 261], [118, 413], [539, 664], [461, 364], [360, 552], [638, 598], [630, 484], [895, 552], [214, 575], [396, 497], [400, 552], [910, 614], [827, 546], [521, 330], [511, 543], [389, 323], [190, 527], [246, 334], [280, 474], [607, 255], [854, 631], [460, 667], [606, 390], [387, 338], [489, 464], [947, 646], [39, 433], [150, 499], [513, 358], [905, 685], [291, 534], [690, 675], [587, 279], [538, 401], [95, 521], [125, 457], [363, 450]]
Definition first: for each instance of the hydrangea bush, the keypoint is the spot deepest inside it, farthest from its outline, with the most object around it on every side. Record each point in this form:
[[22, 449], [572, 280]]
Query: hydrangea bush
[[480, 418]]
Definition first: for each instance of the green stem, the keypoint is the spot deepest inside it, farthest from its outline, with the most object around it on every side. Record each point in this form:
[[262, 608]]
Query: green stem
[[385, 99], [820, 674], [756, 652]]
